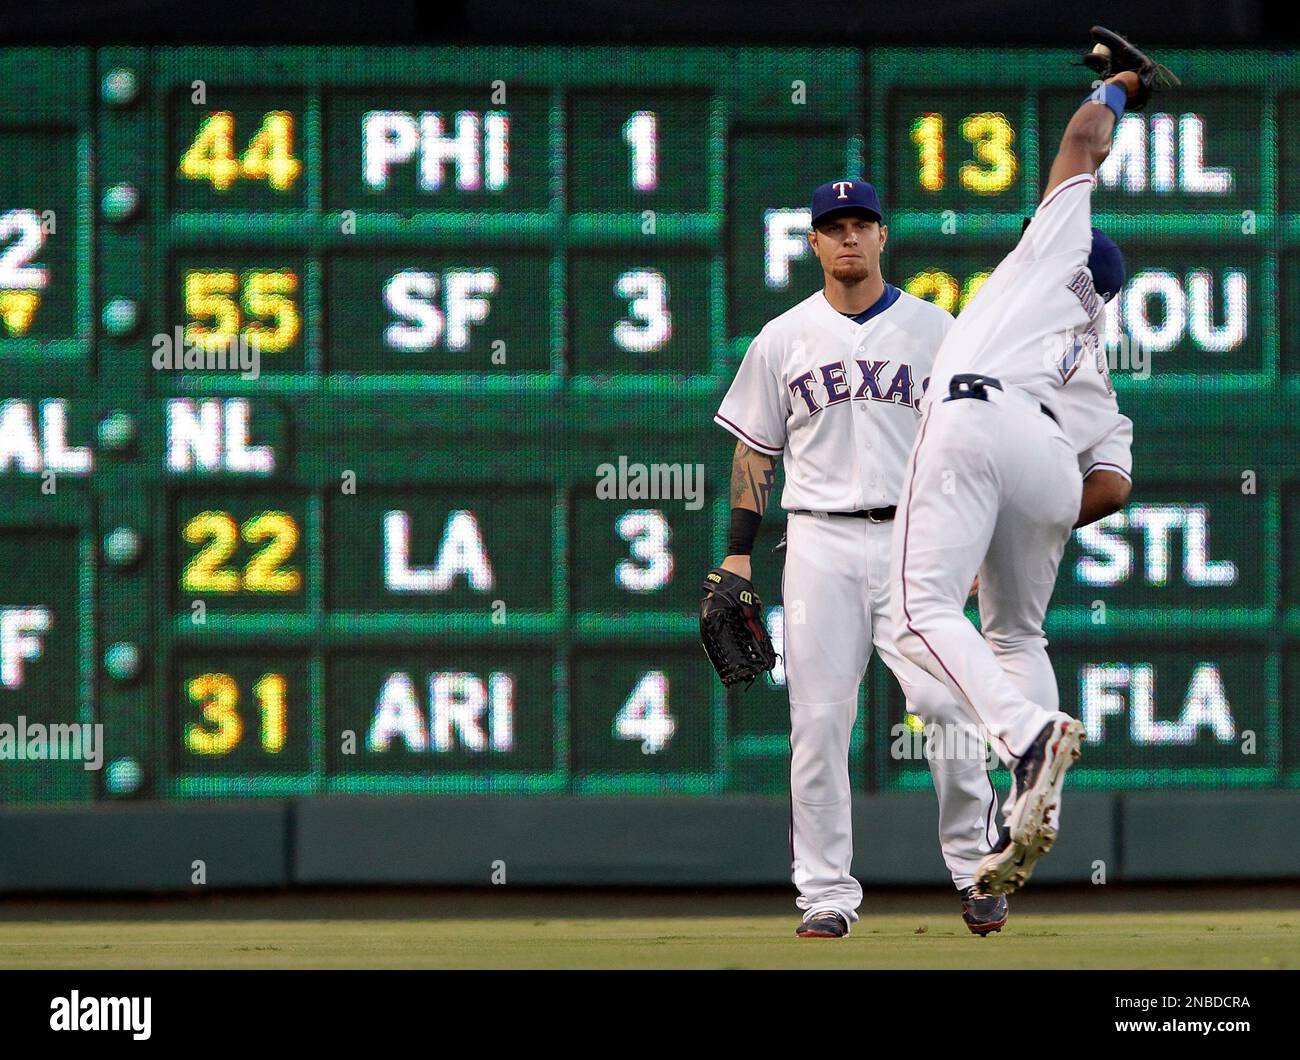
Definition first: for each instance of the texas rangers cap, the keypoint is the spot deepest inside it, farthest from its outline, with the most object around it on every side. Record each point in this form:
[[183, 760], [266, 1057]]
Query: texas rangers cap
[[845, 195]]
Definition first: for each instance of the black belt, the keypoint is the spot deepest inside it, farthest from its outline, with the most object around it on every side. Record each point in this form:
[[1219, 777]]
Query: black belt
[[971, 385], [876, 515]]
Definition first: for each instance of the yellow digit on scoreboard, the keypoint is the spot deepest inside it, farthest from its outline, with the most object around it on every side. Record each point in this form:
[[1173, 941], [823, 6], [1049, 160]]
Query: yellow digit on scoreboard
[[217, 696], [218, 534], [942, 288], [990, 134], [927, 134], [268, 156], [263, 294]]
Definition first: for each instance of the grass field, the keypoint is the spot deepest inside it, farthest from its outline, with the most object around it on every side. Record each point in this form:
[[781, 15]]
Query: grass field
[[651, 932]]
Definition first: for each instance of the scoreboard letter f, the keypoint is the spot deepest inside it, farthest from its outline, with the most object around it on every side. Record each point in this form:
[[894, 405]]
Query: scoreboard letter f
[[17, 643]]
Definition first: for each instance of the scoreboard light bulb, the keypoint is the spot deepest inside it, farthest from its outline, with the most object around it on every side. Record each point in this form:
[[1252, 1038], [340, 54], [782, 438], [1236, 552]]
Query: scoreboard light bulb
[[120, 316], [119, 87], [122, 547], [123, 661], [116, 431], [123, 776], [120, 202]]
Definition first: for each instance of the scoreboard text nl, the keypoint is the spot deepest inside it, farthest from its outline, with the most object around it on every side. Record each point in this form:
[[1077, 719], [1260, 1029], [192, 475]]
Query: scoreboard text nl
[[355, 407]]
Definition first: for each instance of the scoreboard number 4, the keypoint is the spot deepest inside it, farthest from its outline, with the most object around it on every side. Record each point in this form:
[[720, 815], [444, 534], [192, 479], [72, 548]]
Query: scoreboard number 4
[[268, 156], [644, 716]]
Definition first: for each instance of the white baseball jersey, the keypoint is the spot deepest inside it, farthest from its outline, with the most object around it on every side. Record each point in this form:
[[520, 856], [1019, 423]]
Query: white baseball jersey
[[1035, 324], [838, 398]]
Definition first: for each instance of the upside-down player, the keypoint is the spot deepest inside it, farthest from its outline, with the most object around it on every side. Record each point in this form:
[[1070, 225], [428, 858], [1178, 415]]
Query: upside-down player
[[1021, 440]]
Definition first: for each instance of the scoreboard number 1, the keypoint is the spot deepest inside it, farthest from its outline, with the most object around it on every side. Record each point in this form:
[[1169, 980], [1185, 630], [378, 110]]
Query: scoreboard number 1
[[641, 131]]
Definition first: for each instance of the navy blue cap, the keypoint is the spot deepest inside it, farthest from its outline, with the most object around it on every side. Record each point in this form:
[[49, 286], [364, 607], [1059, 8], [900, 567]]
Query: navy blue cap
[[845, 195], [1106, 264]]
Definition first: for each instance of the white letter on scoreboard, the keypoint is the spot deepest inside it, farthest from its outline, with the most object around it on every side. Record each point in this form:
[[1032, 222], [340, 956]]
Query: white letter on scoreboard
[[496, 149], [784, 242], [465, 302], [17, 644], [399, 575], [437, 149], [456, 702], [240, 456], [388, 137], [59, 456], [193, 435], [409, 295], [397, 714], [18, 441]]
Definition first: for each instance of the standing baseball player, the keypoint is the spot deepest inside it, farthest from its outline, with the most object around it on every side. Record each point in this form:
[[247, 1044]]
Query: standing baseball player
[[832, 386], [1020, 441]]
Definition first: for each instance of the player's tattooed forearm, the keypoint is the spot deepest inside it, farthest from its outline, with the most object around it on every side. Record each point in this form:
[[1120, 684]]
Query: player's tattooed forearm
[[752, 476], [739, 477], [762, 485]]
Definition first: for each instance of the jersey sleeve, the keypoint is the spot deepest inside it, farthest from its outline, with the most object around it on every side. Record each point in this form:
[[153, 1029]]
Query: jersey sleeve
[[1062, 224], [1113, 451], [754, 409]]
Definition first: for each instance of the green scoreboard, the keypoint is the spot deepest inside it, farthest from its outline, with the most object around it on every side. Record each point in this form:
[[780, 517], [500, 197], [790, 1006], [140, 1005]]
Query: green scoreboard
[[356, 407]]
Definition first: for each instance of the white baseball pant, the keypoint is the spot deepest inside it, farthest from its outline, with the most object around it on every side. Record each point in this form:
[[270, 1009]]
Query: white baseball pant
[[992, 486], [836, 594]]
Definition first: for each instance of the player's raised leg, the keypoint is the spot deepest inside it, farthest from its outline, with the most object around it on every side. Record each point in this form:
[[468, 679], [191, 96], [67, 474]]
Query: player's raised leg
[[947, 517]]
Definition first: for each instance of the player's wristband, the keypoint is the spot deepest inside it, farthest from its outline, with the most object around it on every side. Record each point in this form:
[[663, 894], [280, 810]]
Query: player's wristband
[[1112, 96], [743, 531]]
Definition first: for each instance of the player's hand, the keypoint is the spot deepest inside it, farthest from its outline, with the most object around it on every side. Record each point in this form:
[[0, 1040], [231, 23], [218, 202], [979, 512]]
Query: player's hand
[[738, 565], [974, 586]]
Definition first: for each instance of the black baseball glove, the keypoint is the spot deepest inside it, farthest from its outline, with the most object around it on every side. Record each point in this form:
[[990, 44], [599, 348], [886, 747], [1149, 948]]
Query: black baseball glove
[[731, 626], [1117, 55]]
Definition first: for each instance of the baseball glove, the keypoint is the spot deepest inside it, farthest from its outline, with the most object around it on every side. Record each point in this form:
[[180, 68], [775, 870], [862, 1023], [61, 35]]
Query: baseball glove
[[731, 626], [1112, 54]]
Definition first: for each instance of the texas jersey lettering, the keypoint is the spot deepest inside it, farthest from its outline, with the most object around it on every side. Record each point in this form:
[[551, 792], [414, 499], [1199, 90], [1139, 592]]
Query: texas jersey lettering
[[841, 397]]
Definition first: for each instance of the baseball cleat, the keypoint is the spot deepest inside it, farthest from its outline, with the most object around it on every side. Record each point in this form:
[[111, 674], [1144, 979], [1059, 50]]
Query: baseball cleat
[[983, 913], [1027, 836], [827, 924]]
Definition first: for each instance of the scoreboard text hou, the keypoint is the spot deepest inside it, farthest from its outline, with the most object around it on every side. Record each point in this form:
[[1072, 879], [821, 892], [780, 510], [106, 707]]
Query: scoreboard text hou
[[356, 427]]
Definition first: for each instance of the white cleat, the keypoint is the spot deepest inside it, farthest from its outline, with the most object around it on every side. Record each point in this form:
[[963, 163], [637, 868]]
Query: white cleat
[[1027, 835]]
